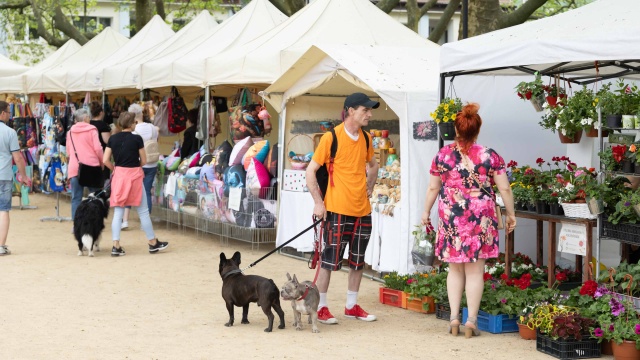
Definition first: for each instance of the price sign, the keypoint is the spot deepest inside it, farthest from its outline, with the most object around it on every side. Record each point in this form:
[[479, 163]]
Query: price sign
[[573, 239]]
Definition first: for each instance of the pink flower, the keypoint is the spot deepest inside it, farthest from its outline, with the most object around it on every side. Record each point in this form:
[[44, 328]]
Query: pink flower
[[637, 329], [503, 300]]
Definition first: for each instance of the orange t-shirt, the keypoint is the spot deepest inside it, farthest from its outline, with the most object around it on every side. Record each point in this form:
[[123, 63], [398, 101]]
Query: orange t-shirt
[[348, 196]]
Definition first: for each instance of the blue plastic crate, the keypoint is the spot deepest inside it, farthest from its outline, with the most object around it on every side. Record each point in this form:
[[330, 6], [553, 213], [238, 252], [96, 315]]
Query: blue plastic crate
[[495, 324]]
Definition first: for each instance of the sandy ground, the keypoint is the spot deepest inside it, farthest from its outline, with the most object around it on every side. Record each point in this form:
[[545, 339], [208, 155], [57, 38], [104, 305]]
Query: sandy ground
[[56, 305]]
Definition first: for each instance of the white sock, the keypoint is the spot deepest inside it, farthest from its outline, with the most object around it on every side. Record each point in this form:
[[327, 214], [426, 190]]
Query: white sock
[[352, 299], [323, 301]]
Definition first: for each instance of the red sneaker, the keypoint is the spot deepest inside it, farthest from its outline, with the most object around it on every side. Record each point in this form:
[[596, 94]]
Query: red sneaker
[[357, 313], [325, 317]]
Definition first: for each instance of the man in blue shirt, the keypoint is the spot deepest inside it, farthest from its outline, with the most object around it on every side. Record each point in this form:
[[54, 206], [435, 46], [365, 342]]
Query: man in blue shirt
[[9, 150]]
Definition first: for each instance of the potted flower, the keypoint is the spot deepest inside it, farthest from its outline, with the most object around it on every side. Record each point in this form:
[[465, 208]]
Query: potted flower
[[418, 293], [554, 95], [563, 333], [611, 106], [445, 116], [629, 101], [562, 120], [392, 292], [623, 330], [438, 283], [532, 91], [582, 105]]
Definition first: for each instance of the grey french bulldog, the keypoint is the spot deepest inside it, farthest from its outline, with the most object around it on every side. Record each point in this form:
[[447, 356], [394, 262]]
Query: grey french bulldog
[[304, 298]]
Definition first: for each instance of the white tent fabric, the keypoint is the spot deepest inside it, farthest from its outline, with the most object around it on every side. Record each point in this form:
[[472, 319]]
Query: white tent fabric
[[407, 80], [155, 32], [185, 66], [54, 79], [602, 30], [126, 74], [264, 59], [16, 84], [9, 67]]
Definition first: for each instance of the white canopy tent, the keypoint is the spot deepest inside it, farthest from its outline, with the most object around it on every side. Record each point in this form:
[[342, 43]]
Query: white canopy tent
[[9, 67], [594, 42], [155, 32], [406, 81], [54, 78], [265, 58], [126, 74], [17, 84], [185, 66], [567, 44]]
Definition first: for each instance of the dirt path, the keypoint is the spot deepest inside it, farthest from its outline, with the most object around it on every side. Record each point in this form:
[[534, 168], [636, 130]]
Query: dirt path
[[56, 305]]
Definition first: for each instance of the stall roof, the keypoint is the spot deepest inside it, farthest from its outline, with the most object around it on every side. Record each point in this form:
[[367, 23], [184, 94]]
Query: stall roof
[[54, 79], [9, 67], [264, 59], [567, 44], [16, 84], [153, 33], [185, 66], [126, 74]]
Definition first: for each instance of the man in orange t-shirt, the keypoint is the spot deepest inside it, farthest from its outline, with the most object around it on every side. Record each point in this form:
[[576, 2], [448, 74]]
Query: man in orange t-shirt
[[345, 209]]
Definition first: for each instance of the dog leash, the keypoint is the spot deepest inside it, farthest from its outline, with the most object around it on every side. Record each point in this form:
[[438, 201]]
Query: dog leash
[[274, 250]]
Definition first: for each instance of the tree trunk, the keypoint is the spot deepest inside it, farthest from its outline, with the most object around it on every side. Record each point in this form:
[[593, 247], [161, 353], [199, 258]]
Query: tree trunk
[[487, 15], [288, 7], [441, 27], [160, 9], [143, 13], [387, 5]]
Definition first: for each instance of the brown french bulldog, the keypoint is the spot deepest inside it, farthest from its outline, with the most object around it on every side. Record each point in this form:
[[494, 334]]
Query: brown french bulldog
[[240, 290], [305, 298]]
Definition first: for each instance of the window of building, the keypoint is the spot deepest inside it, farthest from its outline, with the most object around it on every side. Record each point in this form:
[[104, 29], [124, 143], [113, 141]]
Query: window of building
[[91, 23]]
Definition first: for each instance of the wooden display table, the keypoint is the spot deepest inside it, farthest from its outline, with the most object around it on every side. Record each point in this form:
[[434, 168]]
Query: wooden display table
[[552, 245]]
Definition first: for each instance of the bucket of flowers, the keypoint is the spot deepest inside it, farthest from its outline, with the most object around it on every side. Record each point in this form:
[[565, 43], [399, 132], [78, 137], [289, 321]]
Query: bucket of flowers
[[554, 95], [422, 253]]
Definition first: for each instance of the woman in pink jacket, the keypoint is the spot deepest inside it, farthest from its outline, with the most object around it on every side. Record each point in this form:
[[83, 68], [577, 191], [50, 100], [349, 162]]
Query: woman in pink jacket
[[87, 146]]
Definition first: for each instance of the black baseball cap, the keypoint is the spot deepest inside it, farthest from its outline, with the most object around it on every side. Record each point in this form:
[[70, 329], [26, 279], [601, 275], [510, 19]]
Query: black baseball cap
[[359, 99]]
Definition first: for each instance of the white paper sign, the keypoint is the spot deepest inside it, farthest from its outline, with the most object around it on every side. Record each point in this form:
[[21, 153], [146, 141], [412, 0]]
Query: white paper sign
[[573, 239], [235, 196]]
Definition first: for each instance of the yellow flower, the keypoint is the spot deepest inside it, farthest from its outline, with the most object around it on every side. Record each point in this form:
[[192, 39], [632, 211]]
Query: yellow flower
[[446, 107], [453, 117], [451, 102], [433, 115]]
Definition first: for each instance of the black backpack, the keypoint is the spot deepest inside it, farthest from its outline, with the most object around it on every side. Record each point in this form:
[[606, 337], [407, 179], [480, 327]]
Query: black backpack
[[325, 172]]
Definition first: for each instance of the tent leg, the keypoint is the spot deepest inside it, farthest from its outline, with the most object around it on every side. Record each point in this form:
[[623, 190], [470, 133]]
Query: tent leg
[[207, 101], [57, 217]]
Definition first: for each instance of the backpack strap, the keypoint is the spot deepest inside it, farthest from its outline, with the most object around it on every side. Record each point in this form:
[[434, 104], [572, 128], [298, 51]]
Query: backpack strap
[[366, 138], [334, 150]]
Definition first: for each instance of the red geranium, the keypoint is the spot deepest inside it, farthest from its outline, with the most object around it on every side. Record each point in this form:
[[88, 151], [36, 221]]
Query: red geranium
[[589, 288], [487, 276], [618, 152], [560, 277]]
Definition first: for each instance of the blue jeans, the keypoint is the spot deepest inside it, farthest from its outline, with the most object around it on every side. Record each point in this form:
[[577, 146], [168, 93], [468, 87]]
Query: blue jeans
[[149, 175], [143, 214], [76, 195], [6, 189]]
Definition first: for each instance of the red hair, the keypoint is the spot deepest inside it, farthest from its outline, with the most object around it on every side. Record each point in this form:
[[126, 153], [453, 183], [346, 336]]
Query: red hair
[[467, 125]]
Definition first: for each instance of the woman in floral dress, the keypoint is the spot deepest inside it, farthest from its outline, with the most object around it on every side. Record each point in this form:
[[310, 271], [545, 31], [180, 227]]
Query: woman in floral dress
[[463, 175]]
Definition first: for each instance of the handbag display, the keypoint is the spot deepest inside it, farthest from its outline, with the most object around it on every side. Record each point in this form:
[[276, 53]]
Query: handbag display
[[472, 174], [89, 176], [177, 112]]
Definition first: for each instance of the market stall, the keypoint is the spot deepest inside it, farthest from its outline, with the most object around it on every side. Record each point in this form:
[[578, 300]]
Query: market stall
[[9, 68], [313, 89], [584, 46]]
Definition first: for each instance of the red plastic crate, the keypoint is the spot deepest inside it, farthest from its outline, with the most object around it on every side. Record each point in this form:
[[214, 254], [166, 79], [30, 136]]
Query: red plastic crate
[[391, 297]]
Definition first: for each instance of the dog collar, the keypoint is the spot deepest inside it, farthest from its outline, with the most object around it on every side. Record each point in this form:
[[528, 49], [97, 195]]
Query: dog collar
[[305, 293], [227, 274]]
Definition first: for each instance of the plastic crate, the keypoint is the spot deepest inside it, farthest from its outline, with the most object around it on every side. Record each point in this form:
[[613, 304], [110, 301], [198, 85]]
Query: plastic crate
[[391, 297], [628, 233], [617, 138], [443, 312], [425, 305], [568, 349], [495, 324]]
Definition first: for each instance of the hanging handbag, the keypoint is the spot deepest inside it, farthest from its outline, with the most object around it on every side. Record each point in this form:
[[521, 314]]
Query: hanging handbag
[[472, 174], [89, 176], [178, 112]]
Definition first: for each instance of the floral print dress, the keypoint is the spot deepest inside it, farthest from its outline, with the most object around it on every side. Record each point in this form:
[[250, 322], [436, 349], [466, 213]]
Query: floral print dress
[[467, 226]]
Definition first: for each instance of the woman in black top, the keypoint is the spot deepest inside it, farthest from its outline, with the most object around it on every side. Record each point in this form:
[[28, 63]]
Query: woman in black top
[[126, 184], [104, 130], [190, 144]]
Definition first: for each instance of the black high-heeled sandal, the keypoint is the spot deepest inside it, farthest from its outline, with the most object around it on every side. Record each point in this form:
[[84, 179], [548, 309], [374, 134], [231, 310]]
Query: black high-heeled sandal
[[454, 329], [471, 331]]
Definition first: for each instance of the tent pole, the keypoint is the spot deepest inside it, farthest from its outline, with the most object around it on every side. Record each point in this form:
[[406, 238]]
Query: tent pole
[[103, 95], [600, 180], [207, 107], [442, 77]]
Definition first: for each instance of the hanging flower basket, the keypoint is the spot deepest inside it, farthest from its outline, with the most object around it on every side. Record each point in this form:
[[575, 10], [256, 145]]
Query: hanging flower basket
[[593, 132], [537, 103], [570, 140], [447, 130]]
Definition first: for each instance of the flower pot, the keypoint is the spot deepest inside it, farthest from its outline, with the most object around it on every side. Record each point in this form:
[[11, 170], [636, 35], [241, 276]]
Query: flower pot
[[526, 333], [443, 311], [607, 348], [556, 209], [625, 351], [628, 166], [637, 122], [628, 121], [447, 130], [596, 206], [593, 132], [521, 206], [531, 207], [636, 168], [570, 140], [537, 103], [636, 208], [542, 207], [614, 121]]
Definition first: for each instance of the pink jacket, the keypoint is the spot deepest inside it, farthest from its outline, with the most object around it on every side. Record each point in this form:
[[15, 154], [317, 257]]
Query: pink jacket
[[87, 146]]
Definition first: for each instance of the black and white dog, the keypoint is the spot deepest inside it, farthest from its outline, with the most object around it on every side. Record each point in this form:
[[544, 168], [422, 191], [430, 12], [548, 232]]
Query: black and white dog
[[89, 221]]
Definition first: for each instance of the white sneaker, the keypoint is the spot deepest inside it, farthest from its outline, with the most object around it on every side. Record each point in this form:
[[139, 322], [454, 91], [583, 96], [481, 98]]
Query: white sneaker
[[4, 250], [125, 225]]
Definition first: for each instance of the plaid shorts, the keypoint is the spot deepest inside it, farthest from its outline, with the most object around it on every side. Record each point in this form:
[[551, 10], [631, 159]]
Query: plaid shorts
[[340, 230]]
